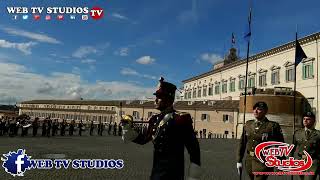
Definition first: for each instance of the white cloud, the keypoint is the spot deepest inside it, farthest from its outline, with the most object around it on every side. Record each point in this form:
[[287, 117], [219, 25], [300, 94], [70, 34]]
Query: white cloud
[[31, 35], [149, 76], [119, 16], [83, 51], [211, 58], [128, 71], [145, 60], [132, 72], [124, 51], [23, 47], [88, 61], [17, 84]]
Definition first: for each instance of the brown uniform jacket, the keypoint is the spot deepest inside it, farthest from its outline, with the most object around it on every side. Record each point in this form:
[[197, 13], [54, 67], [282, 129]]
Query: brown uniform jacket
[[255, 134], [311, 144]]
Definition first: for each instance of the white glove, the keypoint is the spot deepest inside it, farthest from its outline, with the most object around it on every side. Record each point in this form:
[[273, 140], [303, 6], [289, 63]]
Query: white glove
[[194, 172], [239, 167], [128, 133]]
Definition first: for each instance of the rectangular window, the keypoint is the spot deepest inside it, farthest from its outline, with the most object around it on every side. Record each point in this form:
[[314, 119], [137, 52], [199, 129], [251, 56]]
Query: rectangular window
[[307, 71], [204, 91], [136, 114], [204, 117], [199, 92], [241, 83], [217, 89], [224, 87], [185, 95], [252, 81], [194, 93], [225, 118], [275, 79], [289, 75], [210, 90], [262, 80], [232, 86], [189, 95]]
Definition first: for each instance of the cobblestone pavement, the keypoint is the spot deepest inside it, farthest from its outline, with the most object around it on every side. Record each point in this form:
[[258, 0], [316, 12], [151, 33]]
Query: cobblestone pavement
[[217, 156]]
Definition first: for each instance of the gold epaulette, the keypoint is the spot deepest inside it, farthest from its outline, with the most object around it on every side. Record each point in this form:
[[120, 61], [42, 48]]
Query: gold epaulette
[[182, 113]]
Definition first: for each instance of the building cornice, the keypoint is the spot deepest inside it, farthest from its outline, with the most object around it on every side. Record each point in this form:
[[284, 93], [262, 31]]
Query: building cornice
[[70, 110], [276, 50]]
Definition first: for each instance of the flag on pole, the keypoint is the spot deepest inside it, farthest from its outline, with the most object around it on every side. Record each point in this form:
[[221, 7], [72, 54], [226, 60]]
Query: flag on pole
[[299, 53], [247, 34], [233, 40]]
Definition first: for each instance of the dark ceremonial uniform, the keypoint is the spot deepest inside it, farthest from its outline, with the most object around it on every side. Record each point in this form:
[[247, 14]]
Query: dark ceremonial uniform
[[71, 129], [80, 128], [44, 127], [35, 126], [256, 132], [63, 128], [91, 128], [170, 132]]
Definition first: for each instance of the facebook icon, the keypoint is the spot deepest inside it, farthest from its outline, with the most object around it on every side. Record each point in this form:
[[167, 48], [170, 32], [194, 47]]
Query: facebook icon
[[16, 163]]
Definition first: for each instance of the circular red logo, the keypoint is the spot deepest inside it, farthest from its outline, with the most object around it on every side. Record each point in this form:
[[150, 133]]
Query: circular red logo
[[96, 13]]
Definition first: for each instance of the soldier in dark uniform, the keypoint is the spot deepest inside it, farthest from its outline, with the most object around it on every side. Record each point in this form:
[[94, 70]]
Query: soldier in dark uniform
[[35, 125], [7, 127], [99, 127], [23, 129], [12, 127], [255, 132], [308, 139], [115, 129], [91, 128], [16, 127], [2, 126], [63, 127], [49, 127], [80, 128], [119, 130], [170, 131], [44, 127], [109, 128], [71, 128], [54, 127]]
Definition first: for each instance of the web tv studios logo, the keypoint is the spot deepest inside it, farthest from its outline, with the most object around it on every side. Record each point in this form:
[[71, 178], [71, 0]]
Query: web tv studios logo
[[95, 12], [17, 163], [277, 155]]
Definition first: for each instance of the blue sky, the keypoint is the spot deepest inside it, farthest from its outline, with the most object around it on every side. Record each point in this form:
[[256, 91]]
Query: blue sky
[[122, 55]]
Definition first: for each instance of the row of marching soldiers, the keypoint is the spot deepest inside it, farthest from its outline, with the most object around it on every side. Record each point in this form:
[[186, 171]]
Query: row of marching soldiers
[[49, 127]]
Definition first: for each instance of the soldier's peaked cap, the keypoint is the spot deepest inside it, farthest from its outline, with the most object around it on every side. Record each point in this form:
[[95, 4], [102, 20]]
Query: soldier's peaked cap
[[261, 105], [165, 88], [309, 114]]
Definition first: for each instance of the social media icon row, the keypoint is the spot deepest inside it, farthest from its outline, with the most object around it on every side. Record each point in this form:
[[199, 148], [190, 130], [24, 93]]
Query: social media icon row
[[49, 17]]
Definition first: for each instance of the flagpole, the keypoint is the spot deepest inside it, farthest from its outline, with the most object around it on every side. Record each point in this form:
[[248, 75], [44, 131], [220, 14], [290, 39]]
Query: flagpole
[[299, 56], [294, 94], [246, 78]]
